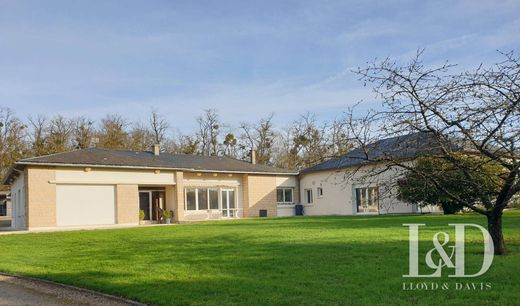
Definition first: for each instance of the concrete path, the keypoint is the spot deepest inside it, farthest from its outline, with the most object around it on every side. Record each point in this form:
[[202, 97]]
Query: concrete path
[[15, 291]]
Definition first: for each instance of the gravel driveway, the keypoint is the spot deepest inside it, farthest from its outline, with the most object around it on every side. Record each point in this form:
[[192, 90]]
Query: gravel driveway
[[16, 291]]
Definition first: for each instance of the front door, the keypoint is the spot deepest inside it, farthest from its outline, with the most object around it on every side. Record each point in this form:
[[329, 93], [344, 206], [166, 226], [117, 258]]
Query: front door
[[149, 201], [228, 203]]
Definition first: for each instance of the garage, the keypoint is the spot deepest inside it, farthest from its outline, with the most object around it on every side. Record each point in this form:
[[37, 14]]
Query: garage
[[85, 205]]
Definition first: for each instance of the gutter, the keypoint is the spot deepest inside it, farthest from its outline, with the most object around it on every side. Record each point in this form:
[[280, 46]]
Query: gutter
[[152, 168]]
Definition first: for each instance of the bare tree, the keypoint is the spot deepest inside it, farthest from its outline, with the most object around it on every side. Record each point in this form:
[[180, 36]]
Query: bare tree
[[112, 133], [59, 136], [209, 129], [338, 137], [140, 138], [259, 136], [478, 110], [38, 135], [308, 141], [12, 144], [83, 133], [188, 145], [158, 126]]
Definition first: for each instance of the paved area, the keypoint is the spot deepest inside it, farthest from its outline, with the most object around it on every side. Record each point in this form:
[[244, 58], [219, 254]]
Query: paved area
[[19, 291]]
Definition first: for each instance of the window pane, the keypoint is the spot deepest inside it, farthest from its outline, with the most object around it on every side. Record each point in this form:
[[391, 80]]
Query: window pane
[[203, 198], [279, 195], [190, 199], [309, 195], [358, 200], [288, 195], [231, 199], [367, 199], [224, 199], [213, 199]]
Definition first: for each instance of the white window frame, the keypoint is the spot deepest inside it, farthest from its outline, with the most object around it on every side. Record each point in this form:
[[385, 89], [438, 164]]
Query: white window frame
[[308, 199], [227, 209], [218, 189], [365, 190], [284, 190]]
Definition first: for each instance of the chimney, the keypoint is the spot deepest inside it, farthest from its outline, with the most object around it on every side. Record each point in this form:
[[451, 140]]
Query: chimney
[[156, 149], [253, 156]]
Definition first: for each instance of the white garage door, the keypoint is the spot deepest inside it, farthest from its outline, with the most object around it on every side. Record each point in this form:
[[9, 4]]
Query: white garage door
[[85, 205]]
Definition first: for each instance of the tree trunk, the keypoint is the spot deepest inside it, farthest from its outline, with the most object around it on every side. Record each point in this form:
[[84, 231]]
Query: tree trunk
[[495, 230]]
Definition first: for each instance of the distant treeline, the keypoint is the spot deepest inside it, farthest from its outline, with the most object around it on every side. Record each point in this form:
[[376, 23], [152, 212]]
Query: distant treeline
[[300, 144]]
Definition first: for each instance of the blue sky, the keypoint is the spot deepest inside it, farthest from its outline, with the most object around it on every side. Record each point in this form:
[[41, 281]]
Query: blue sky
[[244, 58]]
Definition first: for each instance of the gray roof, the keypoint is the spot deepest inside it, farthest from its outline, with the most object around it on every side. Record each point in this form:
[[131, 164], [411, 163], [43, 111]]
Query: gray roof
[[400, 147], [146, 159]]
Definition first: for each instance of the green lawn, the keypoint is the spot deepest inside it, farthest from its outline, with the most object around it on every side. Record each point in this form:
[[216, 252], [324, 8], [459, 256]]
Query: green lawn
[[307, 260]]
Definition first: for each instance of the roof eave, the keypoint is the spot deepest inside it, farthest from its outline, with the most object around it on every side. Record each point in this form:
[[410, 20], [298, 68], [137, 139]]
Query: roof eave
[[25, 163]]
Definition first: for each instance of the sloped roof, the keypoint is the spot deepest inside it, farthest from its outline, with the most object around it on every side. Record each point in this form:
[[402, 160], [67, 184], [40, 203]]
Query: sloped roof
[[146, 159], [400, 147]]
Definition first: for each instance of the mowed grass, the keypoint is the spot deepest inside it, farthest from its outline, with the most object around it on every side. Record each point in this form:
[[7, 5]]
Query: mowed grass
[[289, 261]]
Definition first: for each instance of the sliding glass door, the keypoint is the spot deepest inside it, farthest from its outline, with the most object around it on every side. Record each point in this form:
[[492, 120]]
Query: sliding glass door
[[228, 203]]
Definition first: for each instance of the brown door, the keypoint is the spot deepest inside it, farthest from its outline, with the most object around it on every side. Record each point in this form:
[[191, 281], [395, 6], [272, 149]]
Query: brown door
[[158, 201]]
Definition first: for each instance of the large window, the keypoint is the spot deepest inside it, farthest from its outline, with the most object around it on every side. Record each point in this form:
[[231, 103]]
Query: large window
[[191, 199], [308, 196], [367, 200], [213, 198], [284, 196], [208, 198], [202, 198]]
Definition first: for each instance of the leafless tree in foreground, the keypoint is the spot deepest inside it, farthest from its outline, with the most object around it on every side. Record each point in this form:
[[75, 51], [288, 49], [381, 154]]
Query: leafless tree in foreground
[[479, 109]]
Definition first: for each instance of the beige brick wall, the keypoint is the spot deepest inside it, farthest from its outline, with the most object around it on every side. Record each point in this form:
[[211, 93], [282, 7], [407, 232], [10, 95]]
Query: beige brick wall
[[262, 195], [127, 204], [179, 196], [41, 197], [245, 195]]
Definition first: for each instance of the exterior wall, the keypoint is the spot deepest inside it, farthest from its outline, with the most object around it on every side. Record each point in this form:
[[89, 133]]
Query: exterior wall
[[214, 180], [18, 199], [339, 196], [127, 204], [288, 210], [262, 195], [42, 181], [252, 192], [245, 195], [179, 197], [101, 176], [41, 197]]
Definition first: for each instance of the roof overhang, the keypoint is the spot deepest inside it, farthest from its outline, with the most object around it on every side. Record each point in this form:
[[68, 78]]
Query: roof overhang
[[24, 164]]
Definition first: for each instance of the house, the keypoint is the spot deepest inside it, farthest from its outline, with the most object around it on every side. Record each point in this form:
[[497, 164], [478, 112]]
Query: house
[[356, 184], [93, 187]]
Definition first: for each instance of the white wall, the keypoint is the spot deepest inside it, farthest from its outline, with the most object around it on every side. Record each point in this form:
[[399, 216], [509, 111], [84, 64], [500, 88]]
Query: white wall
[[338, 191], [114, 176], [18, 203], [85, 205], [286, 181]]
